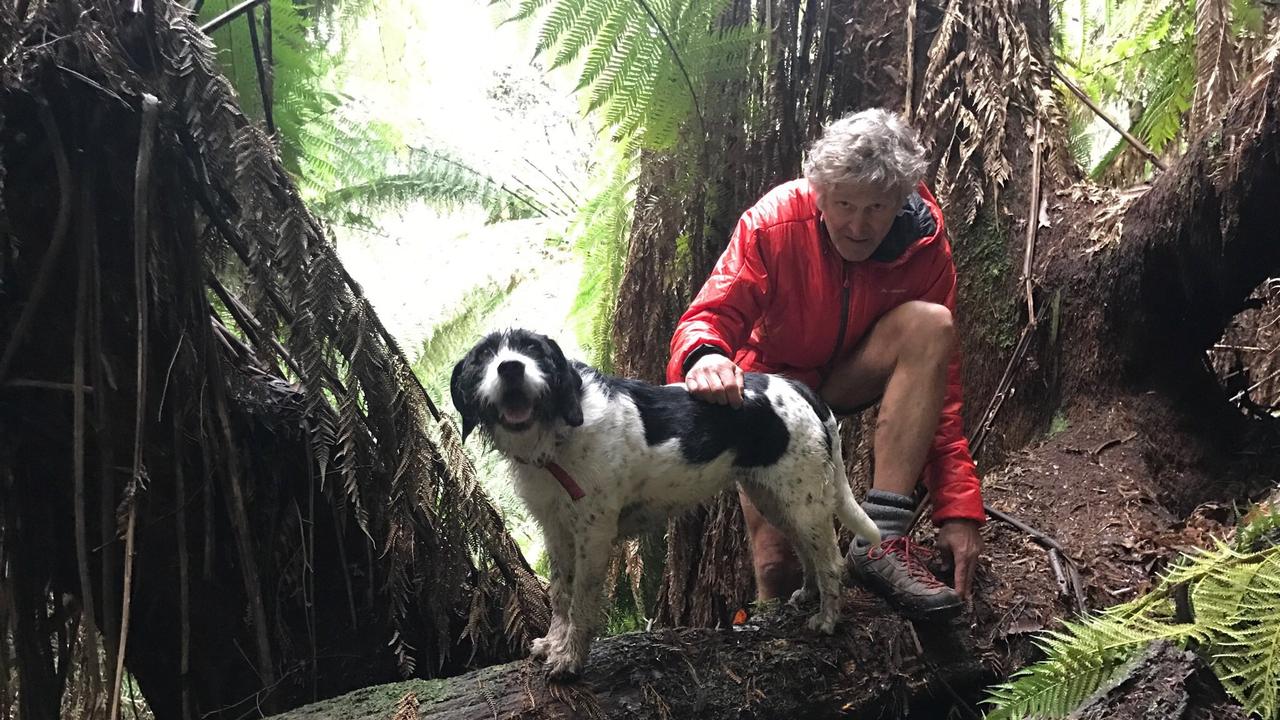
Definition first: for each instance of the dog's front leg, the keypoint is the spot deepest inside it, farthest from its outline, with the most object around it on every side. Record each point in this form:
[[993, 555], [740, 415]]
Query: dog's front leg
[[591, 560], [560, 560]]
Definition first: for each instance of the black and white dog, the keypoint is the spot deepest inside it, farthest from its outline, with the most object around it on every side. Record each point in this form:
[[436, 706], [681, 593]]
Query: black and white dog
[[596, 458]]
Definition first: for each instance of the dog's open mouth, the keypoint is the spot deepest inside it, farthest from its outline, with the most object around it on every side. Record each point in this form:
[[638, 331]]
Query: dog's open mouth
[[516, 412]]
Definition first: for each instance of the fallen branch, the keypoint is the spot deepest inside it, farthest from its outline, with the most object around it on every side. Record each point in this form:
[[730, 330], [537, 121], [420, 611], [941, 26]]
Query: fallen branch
[[1128, 136]]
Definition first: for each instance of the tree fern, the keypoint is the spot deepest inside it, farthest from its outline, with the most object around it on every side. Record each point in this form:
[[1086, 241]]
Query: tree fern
[[432, 177], [347, 166], [643, 70], [602, 228], [1235, 625], [1148, 44]]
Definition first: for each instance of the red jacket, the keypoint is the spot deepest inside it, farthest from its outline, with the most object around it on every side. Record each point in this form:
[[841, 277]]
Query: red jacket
[[774, 301]]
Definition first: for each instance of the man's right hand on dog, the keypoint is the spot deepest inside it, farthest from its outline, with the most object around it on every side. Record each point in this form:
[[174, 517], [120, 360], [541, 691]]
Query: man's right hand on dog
[[715, 378]]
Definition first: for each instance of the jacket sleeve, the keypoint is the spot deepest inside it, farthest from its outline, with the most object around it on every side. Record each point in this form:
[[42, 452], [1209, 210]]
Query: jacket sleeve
[[950, 473], [726, 309]]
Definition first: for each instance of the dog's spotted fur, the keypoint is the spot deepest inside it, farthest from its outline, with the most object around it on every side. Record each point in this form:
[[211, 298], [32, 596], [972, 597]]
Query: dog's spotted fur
[[642, 452]]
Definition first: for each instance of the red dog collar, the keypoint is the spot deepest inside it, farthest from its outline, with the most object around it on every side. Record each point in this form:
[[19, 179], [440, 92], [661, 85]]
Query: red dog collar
[[566, 481]]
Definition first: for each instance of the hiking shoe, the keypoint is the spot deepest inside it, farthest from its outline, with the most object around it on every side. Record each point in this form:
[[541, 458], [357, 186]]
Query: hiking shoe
[[895, 570]]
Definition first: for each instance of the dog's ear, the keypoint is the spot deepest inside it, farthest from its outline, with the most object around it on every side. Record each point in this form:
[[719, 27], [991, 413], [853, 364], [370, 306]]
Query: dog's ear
[[567, 387], [463, 398]]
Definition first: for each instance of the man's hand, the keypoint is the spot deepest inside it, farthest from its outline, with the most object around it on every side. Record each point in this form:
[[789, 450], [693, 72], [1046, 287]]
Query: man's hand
[[960, 542], [715, 378]]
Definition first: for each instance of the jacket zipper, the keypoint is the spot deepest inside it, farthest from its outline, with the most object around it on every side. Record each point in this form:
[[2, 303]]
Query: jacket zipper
[[844, 321]]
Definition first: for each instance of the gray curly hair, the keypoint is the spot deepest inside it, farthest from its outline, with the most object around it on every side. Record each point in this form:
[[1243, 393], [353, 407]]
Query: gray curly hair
[[871, 147]]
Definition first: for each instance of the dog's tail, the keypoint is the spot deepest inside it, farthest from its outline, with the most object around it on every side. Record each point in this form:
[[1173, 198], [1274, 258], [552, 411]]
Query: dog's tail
[[847, 508]]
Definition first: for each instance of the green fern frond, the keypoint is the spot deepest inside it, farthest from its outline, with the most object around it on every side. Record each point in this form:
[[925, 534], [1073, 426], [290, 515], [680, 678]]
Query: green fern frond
[[450, 338], [600, 231], [646, 61], [1235, 601], [527, 10], [606, 45], [1241, 611], [589, 26], [1261, 530], [565, 14]]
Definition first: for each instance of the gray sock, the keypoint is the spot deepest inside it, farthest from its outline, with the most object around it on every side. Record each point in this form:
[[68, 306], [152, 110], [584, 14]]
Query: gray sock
[[891, 513]]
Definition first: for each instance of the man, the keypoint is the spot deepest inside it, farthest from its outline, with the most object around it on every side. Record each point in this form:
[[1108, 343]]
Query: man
[[843, 279]]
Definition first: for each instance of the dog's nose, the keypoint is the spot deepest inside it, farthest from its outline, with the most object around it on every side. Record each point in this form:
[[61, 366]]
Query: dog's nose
[[511, 370]]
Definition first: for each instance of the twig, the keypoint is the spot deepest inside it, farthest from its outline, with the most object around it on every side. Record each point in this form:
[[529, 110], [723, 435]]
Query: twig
[[1113, 441], [1006, 380], [907, 109], [184, 571], [572, 203], [164, 389], [1052, 546], [141, 206], [107, 497], [226, 17], [269, 53], [44, 275], [47, 385], [261, 70], [1033, 223], [78, 450], [1135, 142], [242, 531], [126, 603]]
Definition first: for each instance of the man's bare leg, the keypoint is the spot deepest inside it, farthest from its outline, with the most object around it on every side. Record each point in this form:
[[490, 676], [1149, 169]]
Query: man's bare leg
[[902, 362], [904, 359], [777, 569]]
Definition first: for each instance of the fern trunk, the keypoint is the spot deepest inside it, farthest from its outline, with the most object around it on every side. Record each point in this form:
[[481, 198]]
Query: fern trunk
[[332, 535]]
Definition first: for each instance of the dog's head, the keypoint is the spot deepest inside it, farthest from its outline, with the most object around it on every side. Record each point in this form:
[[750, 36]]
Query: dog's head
[[515, 379]]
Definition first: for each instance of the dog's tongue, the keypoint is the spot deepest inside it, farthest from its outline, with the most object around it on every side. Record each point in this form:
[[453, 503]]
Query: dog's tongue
[[515, 416]]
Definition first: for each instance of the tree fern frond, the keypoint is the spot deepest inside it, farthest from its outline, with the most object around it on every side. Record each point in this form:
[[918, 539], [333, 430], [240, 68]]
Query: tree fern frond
[[1235, 601], [527, 10], [607, 44], [564, 14], [642, 67], [600, 233], [600, 18]]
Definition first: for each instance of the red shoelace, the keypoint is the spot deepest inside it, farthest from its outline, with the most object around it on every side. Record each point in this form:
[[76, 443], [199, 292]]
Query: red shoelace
[[913, 556]]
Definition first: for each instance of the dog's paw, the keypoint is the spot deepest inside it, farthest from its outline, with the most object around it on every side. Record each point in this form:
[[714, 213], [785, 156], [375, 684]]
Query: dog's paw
[[821, 622], [803, 596], [539, 649], [563, 666]]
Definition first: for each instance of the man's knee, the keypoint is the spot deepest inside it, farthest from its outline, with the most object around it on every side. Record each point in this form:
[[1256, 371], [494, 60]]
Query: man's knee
[[925, 328]]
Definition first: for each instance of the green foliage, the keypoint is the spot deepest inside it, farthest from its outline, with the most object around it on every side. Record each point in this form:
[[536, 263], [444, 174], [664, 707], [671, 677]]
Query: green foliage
[[1234, 592], [1058, 425], [431, 177], [602, 227], [349, 167], [1135, 58], [450, 339], [647, 62]]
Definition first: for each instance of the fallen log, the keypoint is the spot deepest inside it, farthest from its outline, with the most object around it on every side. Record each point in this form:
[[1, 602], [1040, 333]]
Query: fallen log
[[877, 663]]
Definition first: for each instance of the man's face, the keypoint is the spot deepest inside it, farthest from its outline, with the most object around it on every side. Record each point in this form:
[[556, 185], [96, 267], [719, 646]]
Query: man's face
[[858, 217]]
